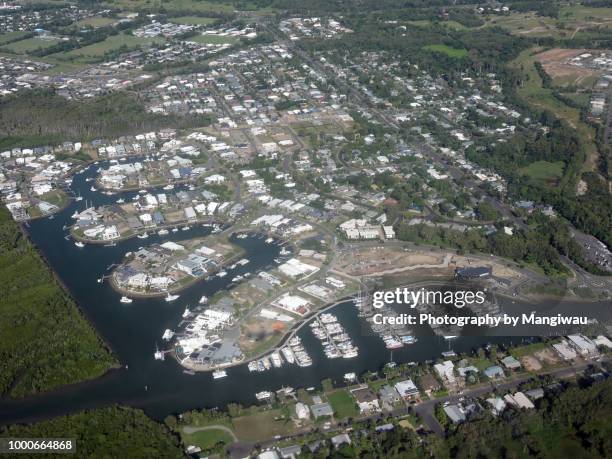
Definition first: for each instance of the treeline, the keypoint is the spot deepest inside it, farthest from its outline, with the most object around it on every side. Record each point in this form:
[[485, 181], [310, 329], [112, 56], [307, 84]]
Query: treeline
[[559, 143], [40, 116], [590, 212], [541, 7], [532, 247], [45, 341], [488, 48], [577, 420], [104, 433], [574, 423]]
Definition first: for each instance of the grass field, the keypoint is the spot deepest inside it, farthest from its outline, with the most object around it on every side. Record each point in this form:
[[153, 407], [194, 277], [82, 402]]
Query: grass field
[[56, 197], [213, 39], [545, 171], [95, 21], [112, 43], [456, 53], [28, 45], [11, 36], [207, 439], [343, 404], [173, 5], [426, 23], [528, 349], [262, 425], [193, 20]]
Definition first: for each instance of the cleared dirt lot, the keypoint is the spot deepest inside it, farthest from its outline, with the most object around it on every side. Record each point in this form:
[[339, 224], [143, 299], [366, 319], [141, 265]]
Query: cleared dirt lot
[[554, 62]]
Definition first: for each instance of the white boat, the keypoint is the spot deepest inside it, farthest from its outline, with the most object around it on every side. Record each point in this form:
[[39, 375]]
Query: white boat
[[219, 374], [143, 236], [125, 299], [185, 228], [170, 298], [186, 312], [174, 230], [169, 187], [93, 188], [222, 274], [350, 353], [159, 355], [142, 191], [163, 232], [269, 240], [204, 299], [79, 244], [276, 359], [288, 354], [168, 334], [263, 395], [78, 198], [120, 201]]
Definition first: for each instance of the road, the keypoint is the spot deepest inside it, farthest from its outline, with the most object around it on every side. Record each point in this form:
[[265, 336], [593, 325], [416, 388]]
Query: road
[[426, 408]]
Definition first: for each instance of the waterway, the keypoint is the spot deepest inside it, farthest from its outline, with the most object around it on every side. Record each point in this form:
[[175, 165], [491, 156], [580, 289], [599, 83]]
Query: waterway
[[133, 331]]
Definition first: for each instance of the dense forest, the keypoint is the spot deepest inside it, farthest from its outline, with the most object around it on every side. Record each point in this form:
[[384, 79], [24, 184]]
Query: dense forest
[[46, 342], [105, 433], [36, 117]]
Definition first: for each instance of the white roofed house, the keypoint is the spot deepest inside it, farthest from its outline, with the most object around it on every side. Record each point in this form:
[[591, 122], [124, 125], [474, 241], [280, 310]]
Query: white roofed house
[[190, 214], [214, 179], [445, 371], [139, 280], [110, 232], [146, 219], [407, 389], [583, 345]]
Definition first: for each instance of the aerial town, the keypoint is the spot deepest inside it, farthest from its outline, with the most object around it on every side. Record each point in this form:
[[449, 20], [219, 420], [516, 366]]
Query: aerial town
[[240, 174]]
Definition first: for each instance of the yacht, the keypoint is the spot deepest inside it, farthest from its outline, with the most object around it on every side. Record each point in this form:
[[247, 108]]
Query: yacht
[[175, 230], [159, 355], [169, 187], [263, 395], [120, 201], [186, 312], [269, 240], [219, 374], [93, 188], [143, 235], [79, 244], [288, 354], [78, 198], [204, 299], [163, 232], [276, 359], [170, 298], [168, 334], [126, 300], [221, 274]]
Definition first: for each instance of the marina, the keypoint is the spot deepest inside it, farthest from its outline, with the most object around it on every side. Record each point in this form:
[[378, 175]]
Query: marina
[[132, 333]]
